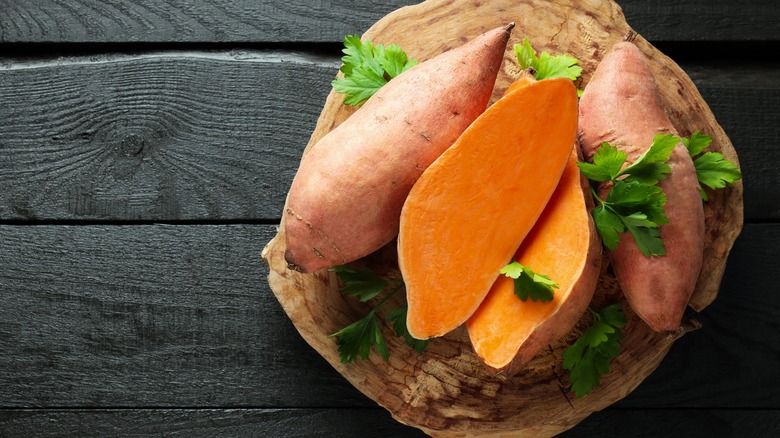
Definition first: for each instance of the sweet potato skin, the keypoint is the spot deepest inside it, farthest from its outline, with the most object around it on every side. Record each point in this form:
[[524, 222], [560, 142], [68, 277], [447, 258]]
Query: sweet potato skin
[[621, 105], [346, 198]]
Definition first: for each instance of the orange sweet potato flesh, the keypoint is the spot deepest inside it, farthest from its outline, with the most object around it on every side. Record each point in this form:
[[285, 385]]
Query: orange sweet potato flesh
[[346, 198], [468, 213], [621, 105], [506, 332]]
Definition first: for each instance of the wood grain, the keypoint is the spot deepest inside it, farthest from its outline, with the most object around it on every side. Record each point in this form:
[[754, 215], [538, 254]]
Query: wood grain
[[159, 136], [179, 316], [188, 21], [153, 315], [445, 391], [326, 423], [174, 326], [730, 90], [301, 20], [156, 137]]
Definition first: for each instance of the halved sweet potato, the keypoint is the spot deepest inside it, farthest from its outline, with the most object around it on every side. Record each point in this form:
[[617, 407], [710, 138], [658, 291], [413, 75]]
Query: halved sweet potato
[[468, 213], [506, 332]]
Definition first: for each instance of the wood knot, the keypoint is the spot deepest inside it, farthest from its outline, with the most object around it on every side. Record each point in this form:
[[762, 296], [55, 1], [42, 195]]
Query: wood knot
[[131, 145]]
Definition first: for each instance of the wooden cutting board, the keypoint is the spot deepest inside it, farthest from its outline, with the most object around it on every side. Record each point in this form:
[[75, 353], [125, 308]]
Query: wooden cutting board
[[445, 391]]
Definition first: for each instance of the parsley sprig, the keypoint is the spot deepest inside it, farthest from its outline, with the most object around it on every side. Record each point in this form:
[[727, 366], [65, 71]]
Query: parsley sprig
[[546, 66], [528, 284], [357, 339], [635, 202], [588, 358], [712, 169], [367, 67]]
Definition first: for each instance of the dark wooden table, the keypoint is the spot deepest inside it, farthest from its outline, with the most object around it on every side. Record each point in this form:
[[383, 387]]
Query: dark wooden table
[[145, 151]]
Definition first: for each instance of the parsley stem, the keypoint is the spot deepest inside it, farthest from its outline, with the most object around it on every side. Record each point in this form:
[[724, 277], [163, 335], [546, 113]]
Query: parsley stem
[[388, 296], [596, 195]]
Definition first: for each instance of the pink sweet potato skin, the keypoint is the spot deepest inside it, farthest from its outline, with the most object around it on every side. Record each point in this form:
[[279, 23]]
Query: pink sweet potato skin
[[346, 198], [621, 105]]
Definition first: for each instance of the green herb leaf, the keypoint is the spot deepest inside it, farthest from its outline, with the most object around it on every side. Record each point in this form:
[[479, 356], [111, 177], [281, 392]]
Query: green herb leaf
[[609, 225], [629, 197], [651, 166], [560, 66], [368, 67], [697, 143], [363, 284], [398, 318], [356, 339], [634, 207], [588, 358], [546, 66], [526, 55], [528, 284], [646, 234], [607, 162], [714, 171]]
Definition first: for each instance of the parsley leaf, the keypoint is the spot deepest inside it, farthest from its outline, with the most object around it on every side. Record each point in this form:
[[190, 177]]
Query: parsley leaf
[[588, 358], [528, 284], [634, 207], [364, 284], [609, 225], [368, 67], [697, 143], [398, 318], [646, 234], [356, 340], [546, 66], [635, 202], [607, 162], [651, 166], [628, 197], [712, 169]]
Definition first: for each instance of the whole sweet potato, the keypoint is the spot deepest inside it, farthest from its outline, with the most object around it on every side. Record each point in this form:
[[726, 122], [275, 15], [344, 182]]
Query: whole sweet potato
[[621, 105], [345, 201]]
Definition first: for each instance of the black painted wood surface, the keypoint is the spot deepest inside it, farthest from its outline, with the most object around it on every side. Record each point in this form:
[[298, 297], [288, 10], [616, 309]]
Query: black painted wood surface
[[145, 152]]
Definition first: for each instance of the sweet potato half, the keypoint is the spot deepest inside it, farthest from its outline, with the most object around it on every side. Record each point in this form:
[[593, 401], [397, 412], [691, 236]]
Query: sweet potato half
[[621, 105], [507, 333], [468, 213], [345, 200]]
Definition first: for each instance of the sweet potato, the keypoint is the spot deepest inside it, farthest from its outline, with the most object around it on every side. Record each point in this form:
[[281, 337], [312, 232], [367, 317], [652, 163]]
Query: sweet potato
[[467, 214], [621, 105], [506, 332], [345, 200]]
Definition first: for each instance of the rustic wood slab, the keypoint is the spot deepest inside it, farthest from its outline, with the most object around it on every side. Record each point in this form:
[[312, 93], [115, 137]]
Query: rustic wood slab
[[445, 391]]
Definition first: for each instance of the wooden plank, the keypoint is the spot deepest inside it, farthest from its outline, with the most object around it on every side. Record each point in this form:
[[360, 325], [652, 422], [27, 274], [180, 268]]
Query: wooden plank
[[703, 20], [745, 100], [304, 423], [374, 422], [217, 136], [690, 423], [180, 316], [150, 316], [735, 356], [160, 136], [189, 21], [303, 21]]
